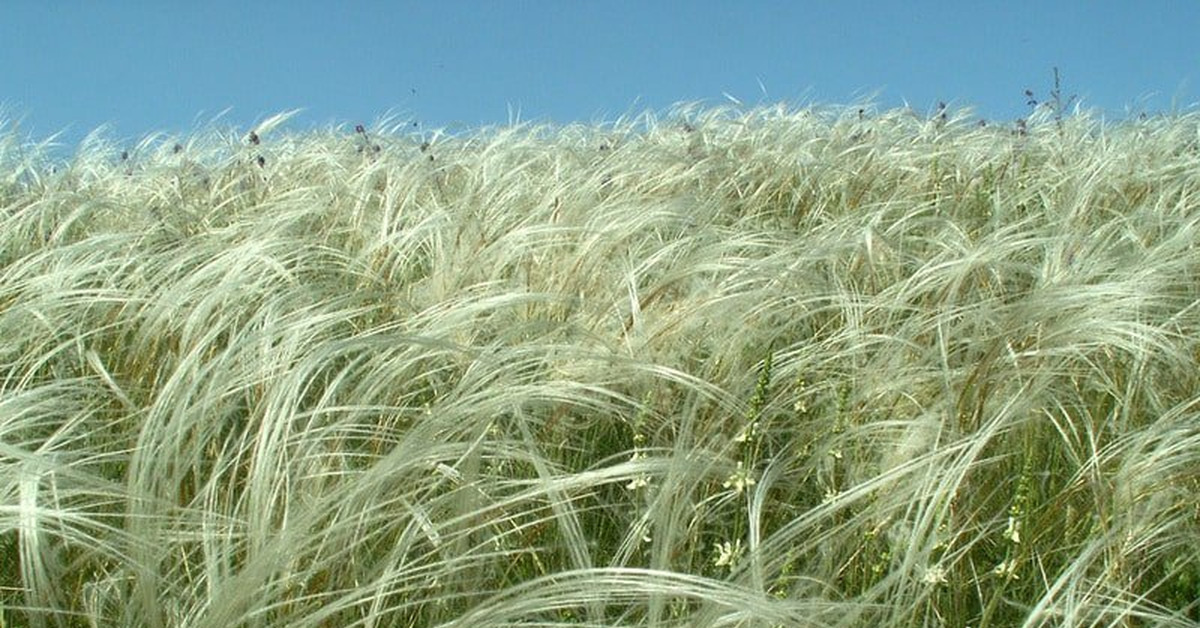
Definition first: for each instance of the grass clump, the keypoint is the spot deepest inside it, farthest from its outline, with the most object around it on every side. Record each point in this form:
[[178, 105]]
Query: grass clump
[[761, 367]]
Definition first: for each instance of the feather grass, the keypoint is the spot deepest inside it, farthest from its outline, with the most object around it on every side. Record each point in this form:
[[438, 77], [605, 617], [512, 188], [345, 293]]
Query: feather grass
[[732, 367]]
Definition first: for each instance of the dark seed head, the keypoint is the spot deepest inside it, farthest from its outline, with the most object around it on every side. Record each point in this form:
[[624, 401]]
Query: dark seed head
[[261, 161], [177, 149], [358, 128], [124, 155], [253, 138]]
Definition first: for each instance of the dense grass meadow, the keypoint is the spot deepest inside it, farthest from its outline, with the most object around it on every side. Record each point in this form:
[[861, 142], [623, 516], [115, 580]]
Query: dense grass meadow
[[744, 367]]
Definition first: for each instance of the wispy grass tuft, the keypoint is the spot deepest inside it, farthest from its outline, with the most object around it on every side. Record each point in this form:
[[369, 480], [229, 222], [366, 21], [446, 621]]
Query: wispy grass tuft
[[730, 367]]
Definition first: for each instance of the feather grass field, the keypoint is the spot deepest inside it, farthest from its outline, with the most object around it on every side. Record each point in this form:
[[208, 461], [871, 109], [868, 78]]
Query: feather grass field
[[732, 367]]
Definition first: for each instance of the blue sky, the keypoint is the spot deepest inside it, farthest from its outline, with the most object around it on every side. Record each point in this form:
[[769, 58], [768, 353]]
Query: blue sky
[[142, 67]]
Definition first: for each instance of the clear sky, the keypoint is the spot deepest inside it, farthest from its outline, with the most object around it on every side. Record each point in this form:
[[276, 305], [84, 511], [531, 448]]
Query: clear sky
[[142, 66]]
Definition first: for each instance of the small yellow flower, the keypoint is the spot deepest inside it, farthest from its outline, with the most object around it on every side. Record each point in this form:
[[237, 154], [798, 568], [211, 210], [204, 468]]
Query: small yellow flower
[[727, 553], [1007, 569], [642, 530], [934, 575], [641, 480], [747, 434], [1012, 532], [740, 480]]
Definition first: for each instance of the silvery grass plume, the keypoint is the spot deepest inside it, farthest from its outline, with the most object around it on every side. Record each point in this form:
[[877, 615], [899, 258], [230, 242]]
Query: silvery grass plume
[[726, 367]]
